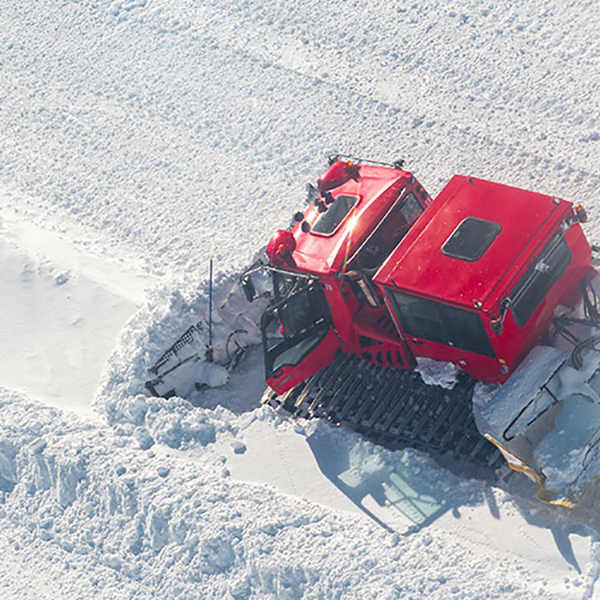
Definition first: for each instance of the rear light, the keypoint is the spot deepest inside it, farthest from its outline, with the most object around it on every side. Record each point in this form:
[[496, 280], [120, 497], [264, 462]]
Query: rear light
[[497, 321], [497, 324]]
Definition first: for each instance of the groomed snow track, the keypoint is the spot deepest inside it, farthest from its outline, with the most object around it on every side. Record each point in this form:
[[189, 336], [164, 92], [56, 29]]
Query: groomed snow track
[[396, 409]]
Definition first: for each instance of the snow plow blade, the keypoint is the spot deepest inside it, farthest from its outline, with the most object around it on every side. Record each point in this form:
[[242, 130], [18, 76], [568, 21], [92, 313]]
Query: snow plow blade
[[546, 421]]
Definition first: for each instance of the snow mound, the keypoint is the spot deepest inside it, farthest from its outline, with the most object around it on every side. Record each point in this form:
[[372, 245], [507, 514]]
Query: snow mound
[[152, 522], [436, 372]]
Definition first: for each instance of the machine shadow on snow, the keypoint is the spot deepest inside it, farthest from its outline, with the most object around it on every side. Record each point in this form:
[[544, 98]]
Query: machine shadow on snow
[[404, 498], [395, 496]]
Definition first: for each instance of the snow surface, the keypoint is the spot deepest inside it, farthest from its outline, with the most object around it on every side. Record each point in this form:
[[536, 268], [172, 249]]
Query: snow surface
[[138, 139]]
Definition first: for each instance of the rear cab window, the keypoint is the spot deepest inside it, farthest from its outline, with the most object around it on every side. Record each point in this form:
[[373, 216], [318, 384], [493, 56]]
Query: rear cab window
[[539, 278]]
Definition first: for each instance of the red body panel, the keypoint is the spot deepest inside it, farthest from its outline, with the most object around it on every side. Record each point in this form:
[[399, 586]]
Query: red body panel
[[528, 220], [515, 342], [326, 255]]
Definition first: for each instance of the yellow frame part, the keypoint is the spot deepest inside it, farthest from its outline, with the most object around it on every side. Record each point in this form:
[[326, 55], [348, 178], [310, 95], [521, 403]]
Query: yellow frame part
[[543, 494]]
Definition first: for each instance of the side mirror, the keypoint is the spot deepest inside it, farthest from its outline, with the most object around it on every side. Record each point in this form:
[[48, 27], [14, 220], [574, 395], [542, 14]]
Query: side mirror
[[248, 288], [312, 193]]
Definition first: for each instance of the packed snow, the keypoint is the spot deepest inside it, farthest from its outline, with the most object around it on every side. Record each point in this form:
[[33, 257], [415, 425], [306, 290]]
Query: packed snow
[[141, 138]]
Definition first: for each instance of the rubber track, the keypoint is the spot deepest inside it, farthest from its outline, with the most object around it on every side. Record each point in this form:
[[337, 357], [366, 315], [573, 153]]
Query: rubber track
[[394, 408]]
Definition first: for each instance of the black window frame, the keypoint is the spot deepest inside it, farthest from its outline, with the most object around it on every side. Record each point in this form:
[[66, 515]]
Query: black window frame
[[332, 214], [486, 235], [441, 323], [531, 289]]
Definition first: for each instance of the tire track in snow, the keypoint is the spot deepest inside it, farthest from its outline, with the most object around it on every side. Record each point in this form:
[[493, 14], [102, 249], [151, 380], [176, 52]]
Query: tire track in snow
[[246, 71], [286, 53]]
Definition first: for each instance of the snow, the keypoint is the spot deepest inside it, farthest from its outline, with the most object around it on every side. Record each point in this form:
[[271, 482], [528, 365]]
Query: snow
[[169, 522], [61, 314], [565, 449], [436, 372], [139, 139]]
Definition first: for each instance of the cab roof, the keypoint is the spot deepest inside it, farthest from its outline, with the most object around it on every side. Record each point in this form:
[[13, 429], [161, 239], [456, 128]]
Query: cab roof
[[326, 253], [471, 242]]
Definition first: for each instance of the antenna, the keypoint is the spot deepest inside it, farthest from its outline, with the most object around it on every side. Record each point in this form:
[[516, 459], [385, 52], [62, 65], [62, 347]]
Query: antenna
[[209, 350]]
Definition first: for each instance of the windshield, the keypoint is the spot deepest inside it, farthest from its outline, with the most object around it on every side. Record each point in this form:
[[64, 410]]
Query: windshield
[[388, 234]]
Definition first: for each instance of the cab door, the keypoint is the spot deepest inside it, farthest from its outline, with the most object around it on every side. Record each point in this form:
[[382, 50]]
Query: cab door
[[298, 337]]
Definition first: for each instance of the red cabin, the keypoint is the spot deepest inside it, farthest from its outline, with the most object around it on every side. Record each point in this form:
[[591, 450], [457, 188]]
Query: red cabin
[[473, 282]]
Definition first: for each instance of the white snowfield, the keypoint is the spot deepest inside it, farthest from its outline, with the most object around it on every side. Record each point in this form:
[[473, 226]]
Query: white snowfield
[[139, 139]]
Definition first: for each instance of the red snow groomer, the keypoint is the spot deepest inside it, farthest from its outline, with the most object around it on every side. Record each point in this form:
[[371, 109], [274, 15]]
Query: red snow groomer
[[439, 323]]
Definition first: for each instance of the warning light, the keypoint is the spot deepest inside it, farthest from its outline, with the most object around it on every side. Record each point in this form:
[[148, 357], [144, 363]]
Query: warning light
[[280, 248]]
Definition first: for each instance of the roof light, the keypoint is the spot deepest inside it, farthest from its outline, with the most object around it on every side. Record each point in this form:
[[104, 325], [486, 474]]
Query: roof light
[[338, 173], [352, 170]]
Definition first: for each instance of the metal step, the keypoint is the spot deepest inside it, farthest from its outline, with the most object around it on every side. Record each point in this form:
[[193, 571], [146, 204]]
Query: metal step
[[395, 409]]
